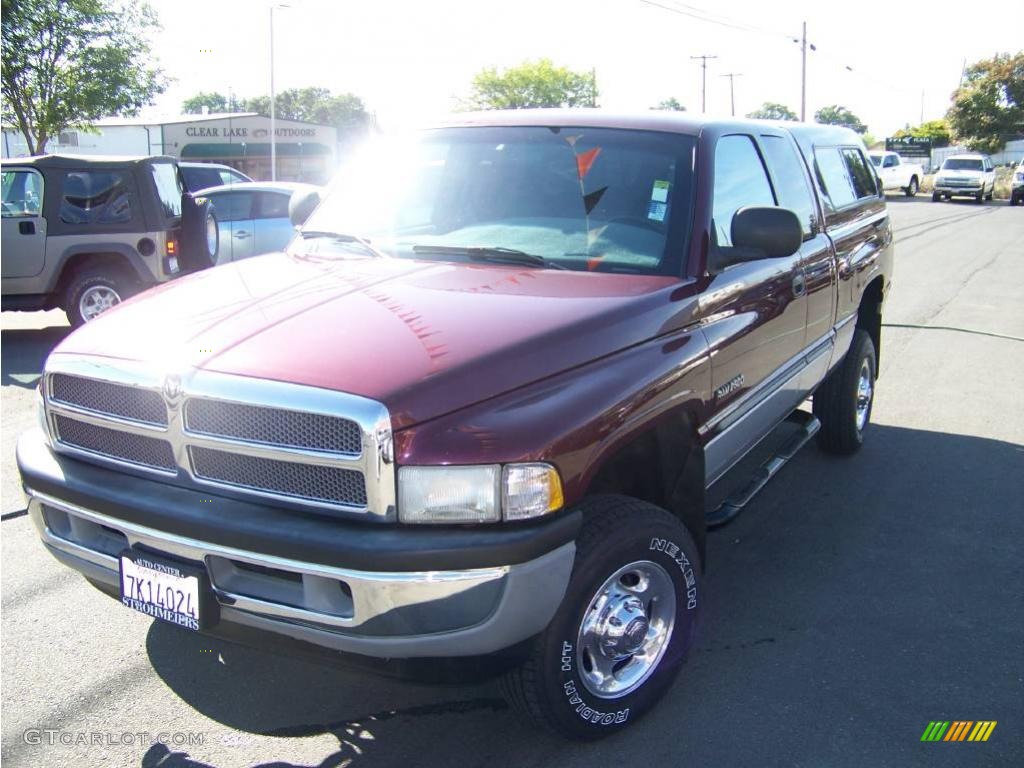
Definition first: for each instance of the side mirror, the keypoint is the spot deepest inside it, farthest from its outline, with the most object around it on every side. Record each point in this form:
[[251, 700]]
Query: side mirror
[[301, 205], [775, 232]]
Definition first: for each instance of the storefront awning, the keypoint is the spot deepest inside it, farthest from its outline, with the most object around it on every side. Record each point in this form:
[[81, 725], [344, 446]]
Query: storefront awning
[[233, 150]]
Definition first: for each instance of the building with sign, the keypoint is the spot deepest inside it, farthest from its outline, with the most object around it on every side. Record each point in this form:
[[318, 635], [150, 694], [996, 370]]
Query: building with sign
[[305, 151]]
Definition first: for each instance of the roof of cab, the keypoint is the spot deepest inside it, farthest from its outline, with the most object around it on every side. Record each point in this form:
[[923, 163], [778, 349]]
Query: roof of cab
[[645, 120]]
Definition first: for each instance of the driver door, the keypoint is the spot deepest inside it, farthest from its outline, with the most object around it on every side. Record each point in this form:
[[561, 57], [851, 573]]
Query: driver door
[[24, 228]]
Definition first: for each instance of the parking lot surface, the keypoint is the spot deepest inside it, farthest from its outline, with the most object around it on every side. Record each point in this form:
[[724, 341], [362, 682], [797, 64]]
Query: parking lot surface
[[853, 602]]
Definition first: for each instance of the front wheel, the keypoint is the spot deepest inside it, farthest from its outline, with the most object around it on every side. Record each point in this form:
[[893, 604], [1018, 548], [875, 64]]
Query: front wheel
[[844, 400], [936, 197], [913, 187], [624, 628]]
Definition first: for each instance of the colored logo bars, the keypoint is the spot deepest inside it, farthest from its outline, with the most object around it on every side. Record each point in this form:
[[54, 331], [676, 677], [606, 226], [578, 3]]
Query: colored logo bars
[[958, 730]]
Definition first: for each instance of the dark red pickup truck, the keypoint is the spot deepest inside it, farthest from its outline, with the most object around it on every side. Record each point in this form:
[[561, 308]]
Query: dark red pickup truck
[[476, 406]]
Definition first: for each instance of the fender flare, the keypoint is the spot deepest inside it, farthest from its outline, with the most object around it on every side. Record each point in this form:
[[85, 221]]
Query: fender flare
[[142, 272]]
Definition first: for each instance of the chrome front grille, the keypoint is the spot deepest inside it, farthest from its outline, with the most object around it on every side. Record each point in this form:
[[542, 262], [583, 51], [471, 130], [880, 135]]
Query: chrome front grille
[[288, 478], [121, 400], [303, 447], [273, 426], [115, 444]]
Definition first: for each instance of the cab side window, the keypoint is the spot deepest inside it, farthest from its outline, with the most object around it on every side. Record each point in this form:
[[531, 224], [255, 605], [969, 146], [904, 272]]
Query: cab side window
[[95, 197], [791, 181], [272, 205], [22, 194], [232, 206], [860, 173], [834, 177], [740, 180], [889, 162]]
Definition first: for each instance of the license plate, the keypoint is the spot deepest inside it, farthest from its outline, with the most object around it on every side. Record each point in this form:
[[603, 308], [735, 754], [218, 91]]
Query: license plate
[[164, 589]]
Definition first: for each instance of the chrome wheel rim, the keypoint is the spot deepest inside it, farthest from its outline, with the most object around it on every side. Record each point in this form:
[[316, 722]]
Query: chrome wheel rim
[[211, 235], [626, 629], [865, 390], [96, 300]]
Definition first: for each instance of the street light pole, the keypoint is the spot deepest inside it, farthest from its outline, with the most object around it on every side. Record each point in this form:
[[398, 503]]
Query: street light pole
[[273, 128], [803, 75]]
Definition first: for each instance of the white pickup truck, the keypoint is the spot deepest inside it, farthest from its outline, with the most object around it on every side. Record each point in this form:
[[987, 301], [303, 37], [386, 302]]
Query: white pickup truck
[[895, 173]]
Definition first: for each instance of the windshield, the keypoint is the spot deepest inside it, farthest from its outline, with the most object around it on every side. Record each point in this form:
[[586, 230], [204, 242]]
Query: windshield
[[579, 198], [962, 164]]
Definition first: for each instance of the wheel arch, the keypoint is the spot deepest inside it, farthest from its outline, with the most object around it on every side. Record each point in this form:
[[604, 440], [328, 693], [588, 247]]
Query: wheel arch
[[105, 255], [662, 465], [869, 315]]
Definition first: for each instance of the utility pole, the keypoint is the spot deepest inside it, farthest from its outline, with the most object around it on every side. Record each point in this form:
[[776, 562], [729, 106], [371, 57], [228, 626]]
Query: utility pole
[[922, 107], [703, 79], [803, 75], [732, 91]]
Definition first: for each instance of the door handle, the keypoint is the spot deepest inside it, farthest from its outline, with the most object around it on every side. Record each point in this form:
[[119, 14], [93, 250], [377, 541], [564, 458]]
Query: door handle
[[799, 286], [27, 227], [241, 234]]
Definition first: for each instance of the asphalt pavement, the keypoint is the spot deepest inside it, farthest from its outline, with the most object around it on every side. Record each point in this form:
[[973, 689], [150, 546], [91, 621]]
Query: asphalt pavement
[[853, 602]]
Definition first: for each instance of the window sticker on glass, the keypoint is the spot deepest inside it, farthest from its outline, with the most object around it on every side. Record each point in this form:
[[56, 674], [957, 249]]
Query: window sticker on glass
[[659, 193], [656, 211]]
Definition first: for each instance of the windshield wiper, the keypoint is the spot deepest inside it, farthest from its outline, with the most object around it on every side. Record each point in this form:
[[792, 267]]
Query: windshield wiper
[[489, 253], [342, 237]]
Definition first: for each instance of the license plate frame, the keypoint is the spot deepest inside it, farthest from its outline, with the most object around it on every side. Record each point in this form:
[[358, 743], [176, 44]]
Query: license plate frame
[[166, 588]]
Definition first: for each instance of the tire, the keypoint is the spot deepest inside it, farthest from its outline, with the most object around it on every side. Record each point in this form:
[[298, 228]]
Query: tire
[[199, 234], [980, 198], [913, 187], [936, 197], [838, 401], [991, 192], [557, 686], [93, 291]]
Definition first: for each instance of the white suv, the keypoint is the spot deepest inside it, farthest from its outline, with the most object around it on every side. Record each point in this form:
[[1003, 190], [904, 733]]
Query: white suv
[[965, 176]]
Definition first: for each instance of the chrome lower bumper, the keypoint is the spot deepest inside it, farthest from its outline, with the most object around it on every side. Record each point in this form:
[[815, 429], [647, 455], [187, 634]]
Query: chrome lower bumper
[[382, 614]]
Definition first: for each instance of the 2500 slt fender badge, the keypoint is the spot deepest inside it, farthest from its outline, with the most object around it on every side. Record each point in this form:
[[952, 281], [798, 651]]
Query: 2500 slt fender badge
[[417, 432]]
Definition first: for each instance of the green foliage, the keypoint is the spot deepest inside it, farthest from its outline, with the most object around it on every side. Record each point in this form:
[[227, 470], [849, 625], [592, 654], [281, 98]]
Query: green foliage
[[67, 63], [532, 84], [936, 130], [346, 112], [671, 104], [213, 101], [772, 111], [838, 115], [988, 109]]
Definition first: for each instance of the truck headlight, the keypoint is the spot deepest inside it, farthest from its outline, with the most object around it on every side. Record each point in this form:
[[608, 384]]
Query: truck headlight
[[477, 494]]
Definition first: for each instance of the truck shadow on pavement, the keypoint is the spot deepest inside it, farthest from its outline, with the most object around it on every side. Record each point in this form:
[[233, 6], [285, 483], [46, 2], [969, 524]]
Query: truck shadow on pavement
[[834, 596], [23, 352]]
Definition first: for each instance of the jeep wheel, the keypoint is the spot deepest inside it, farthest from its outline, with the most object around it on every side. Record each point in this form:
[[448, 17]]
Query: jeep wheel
[[936, 197], [843, 402], [911, 190], [93, 292], [624, 628]]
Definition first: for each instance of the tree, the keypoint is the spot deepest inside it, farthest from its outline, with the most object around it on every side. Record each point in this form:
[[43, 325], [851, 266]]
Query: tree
[[213, 101], [936, 130], [837, 115], [346, 111], [671, 104], [67, 63], [532, 84], [772, 111], [988, 109]]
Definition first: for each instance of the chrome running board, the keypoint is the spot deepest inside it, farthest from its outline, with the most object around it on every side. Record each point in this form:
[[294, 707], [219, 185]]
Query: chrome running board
[[732, 506]]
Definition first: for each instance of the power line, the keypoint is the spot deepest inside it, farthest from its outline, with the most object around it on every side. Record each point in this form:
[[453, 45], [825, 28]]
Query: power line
[[704, 79]]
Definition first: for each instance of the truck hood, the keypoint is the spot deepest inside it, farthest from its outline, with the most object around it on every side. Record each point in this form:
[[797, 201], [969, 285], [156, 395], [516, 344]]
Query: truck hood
[[423, 337]]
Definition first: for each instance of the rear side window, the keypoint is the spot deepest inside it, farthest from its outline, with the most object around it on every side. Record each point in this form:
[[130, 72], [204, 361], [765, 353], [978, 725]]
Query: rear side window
[[232, 206], [860, 173], [23, 193], [272, 206], [231, 177], [96, 197], [740, 180], [834, 176], [201, 178], [168, 187], [790, 180]]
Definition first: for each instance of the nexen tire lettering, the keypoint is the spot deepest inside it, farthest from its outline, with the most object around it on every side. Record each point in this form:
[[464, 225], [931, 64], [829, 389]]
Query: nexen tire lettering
[[589, 714], [672, 550]]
